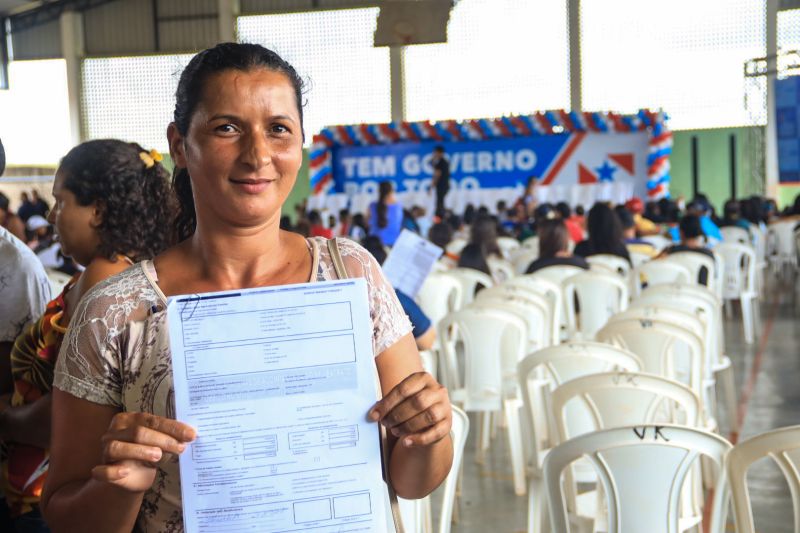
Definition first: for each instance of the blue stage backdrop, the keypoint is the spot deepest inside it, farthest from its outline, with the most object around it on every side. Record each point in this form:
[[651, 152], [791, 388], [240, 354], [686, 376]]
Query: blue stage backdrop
[[787, 113]]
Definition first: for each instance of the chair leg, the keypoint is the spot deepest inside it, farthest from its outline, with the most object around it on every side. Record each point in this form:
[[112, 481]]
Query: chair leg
[[728, 308], [537, 505], [515, 445], [484, 434], [747, 319], [727, 383]]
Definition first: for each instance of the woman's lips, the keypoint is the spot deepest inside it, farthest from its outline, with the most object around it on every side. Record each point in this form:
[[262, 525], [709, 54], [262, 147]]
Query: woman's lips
[[252, 186]]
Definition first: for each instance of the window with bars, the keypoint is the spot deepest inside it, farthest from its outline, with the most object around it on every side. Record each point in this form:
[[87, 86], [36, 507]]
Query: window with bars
[[34, 113], [502, 57], [686, 56], [131, 98], [348, 80]]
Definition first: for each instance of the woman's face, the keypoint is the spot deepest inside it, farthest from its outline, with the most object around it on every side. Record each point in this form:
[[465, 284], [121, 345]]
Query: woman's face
[[243, 148], [75, 224]]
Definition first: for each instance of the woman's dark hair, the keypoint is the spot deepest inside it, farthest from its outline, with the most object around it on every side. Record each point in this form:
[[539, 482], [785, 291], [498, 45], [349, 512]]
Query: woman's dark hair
[[553, 237], [484, 233], [563, 210], [135, 202], [314, 217], [374, 245], [358, 220], [690, 227], [384, 190], [732, 212], [625, 217], [4, 203], [440, 234], [472, 256], [469, 214], [752, 210], [224, 56], [605, 231]]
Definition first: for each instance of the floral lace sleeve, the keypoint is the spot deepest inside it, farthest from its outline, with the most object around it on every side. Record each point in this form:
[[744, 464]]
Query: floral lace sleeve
[[90, 363], [389, 321]]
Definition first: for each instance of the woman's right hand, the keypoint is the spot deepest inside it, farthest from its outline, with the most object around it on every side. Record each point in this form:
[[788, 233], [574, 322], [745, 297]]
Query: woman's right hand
[[133, 445]]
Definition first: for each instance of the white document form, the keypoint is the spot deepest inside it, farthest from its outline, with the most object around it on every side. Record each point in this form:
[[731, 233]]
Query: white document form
[[410, 261], [278, 382]]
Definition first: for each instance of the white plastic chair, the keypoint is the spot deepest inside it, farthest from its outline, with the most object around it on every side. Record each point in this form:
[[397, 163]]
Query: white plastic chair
[[490, 384], [659, 242], [615, 399], [739, 283], [469, 279], [638, 258], [550, 291], [558, 274], [660, 271], [538, 374], [657, 345], [610, 262], [599, 295], [735, 234], [417, 515], [533, 308], [532, 243], [440, 294], [783, 447], [642, 470], [696, 262], [718, 368], [784, 253], [523, 258], [508, 246], [501, 269], [456, 245]]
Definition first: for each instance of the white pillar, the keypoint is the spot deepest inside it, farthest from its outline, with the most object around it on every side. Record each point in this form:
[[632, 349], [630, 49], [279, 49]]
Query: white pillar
[[227, 11], [398, 82], [575, 74], [771, 135], [73, 50]]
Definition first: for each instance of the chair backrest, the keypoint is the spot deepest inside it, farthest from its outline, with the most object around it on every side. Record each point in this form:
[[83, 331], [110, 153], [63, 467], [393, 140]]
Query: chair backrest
[[739, 276], [488, 367], [735, 234], [456, 245], [659, 242], [533, 308], [550, 290], [658, 346], [698, 300], [523, 258], [614, 399], [642, 470], [696, 262], [783, 447], [759, 242], [531, 243], [783, 235], [542, 371], [599, 295], [501, 269], [610, 262], [662, 271], [508, 245], [440, 294], [638, 258], [469, 279], [458, 432], [557, 273]]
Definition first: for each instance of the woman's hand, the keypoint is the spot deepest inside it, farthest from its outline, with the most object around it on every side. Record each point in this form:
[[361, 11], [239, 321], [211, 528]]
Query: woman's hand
[[134, 444], [416, 411]]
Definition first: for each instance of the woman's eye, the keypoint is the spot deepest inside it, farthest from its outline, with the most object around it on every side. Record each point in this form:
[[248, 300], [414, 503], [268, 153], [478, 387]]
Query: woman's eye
[[226, 128], [280, 128]]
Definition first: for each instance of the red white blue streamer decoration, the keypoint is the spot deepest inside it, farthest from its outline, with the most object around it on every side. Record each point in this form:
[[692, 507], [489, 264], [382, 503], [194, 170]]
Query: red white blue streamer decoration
[[542, 123]]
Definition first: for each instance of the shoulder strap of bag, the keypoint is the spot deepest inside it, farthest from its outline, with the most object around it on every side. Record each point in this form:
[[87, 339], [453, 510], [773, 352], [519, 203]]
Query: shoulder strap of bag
[[341, 273]]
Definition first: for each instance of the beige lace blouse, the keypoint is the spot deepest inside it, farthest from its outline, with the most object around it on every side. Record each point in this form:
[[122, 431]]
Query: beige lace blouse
[[117, 353]]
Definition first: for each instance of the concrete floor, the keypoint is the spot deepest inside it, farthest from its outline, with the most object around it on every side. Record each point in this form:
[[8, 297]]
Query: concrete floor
[[488, 502]]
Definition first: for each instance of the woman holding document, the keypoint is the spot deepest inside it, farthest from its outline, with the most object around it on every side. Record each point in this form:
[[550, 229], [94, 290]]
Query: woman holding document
[[237, 142]]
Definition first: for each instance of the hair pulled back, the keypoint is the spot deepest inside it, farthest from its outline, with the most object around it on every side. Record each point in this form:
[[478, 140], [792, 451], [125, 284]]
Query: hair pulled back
[[135, 202], [605, 230], [224, 56], [384, 190]]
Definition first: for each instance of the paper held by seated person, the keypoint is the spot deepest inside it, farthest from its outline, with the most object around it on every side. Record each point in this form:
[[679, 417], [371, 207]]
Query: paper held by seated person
[[277, 382], [410, 261]]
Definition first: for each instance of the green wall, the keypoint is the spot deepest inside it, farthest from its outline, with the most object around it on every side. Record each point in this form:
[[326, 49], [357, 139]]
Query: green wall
[[713, 163]]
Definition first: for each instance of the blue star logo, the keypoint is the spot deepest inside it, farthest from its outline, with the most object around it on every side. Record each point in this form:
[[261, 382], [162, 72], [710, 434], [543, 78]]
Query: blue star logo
[[606, 172]]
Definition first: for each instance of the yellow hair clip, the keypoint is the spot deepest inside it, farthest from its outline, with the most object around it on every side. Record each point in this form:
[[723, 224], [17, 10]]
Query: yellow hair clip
[[151, 158]]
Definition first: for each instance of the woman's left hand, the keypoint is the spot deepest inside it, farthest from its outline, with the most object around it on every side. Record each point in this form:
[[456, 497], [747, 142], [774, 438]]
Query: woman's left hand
[[416, 411]]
